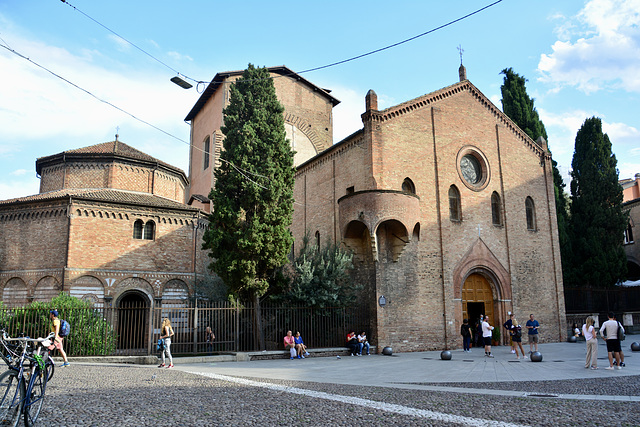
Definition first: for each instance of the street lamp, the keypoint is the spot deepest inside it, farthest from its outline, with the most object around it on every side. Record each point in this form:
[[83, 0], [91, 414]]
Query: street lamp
[[180, 82]]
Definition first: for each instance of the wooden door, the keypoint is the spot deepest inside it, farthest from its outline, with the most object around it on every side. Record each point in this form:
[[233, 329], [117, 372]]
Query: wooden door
[[477, 289]]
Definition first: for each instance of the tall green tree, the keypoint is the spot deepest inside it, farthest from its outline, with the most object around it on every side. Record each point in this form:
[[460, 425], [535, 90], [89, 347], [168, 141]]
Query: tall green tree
[[249, 235], [597, 222], [517, 104]]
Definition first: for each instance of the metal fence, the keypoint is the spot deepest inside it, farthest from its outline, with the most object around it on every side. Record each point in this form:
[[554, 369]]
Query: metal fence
[[135, 329]]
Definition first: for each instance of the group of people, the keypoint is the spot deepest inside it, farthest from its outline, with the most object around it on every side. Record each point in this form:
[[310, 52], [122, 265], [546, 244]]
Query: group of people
[[611, 331], [295, 345], [484, 334], [357, 343]]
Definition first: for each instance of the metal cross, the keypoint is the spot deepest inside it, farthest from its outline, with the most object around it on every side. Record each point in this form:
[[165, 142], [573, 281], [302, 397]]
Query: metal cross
[[461, 50]]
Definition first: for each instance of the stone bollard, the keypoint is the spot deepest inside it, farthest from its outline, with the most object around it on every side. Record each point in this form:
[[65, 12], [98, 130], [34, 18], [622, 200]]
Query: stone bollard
[[387, 351], [635, 346], [445, 355], [536, 356]]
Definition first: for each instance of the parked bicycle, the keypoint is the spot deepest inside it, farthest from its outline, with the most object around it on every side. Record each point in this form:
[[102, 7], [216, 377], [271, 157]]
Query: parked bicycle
[[23, 385]]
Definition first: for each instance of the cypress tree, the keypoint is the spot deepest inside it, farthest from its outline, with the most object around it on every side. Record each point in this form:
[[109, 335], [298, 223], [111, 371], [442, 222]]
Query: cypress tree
[[517, 104], [249, 235], [597, 222]]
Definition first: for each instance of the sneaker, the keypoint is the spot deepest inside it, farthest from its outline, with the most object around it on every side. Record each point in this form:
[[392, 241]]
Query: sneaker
[[525, 357], [352, 354], [490, 355], [292, 358], [518, 357], [65, 364], [622, 365], [359, 354], [170, 366], [615, 363], [301, 356], [609, 368], [307, 353], [161, 365], [618, 367], [594, 367], [298, 357], [513, 351]]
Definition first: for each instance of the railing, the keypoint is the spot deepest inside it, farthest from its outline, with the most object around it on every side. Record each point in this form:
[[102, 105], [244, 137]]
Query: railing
[[135, 329], [589, 300]]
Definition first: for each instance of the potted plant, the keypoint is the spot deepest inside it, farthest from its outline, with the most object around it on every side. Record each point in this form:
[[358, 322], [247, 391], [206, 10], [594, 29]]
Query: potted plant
[[495, 336]]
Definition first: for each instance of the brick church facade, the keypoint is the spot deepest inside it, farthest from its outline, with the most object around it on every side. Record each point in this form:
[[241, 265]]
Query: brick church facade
[[447, 205]]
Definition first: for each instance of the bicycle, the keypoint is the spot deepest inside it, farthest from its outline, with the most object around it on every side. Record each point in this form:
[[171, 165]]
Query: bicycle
[[23, 385]]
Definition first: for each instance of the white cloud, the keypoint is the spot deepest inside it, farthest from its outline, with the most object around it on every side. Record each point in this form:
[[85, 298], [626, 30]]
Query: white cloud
[[600, 46], [19, 172], [178, 56], [121, 44], [41, 114]]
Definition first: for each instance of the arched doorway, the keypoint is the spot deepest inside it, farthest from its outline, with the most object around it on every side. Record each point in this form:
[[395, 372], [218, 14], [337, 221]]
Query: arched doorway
[[477, 299], [133, 311]]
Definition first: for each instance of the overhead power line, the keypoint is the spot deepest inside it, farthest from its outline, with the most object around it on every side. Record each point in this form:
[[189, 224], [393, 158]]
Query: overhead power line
[[321, 67]]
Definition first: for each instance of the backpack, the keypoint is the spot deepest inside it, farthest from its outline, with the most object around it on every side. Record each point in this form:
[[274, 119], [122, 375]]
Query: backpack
[[65, 329], [517, 331], [160, 345], [621, 336]]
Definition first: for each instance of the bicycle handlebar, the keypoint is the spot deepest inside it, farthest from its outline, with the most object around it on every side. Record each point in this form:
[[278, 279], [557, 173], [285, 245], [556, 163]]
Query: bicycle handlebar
[[24, 339]]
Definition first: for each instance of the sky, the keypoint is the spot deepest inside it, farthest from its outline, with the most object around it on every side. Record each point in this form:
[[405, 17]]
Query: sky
[[580, 58]]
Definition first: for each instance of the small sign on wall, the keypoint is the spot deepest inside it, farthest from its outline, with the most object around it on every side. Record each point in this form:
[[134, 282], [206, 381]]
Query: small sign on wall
[[382, 301]]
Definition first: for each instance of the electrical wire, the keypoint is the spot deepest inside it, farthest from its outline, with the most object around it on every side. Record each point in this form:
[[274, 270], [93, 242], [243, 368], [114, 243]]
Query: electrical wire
[[133, 44], [333, 64]]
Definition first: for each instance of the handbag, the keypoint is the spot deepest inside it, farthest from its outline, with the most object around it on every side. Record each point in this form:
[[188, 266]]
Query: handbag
[[160, 345], [621, 336]]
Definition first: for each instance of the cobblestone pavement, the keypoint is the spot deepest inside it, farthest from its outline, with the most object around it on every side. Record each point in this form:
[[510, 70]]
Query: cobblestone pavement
[[126, 395]]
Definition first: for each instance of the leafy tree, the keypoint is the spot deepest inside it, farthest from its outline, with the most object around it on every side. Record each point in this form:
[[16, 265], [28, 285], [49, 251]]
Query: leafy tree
[[517, 104], [249, 235], [597, 222], [320, 277]]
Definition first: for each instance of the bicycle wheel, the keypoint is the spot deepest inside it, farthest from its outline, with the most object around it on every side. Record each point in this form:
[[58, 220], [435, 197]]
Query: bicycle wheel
[[49, 366], [12, 395], [35, 397]]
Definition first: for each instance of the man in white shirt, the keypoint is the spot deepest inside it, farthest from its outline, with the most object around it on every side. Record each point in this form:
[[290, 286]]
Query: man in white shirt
[[487, 331], [609, 331]]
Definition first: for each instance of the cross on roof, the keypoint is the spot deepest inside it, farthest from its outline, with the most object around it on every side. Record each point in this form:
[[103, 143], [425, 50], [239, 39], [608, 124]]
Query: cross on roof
[[461, 50]]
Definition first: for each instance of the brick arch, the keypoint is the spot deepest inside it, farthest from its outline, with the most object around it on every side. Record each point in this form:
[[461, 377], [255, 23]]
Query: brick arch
[[175, 293], [14, 293], [306, 128], [480, 259], [391, 239], [358, 239], [88, 288], [134, 284], [46, 289]]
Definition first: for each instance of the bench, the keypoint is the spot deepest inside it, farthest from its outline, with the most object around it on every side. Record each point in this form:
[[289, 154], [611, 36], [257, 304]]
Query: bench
[[313, 352]]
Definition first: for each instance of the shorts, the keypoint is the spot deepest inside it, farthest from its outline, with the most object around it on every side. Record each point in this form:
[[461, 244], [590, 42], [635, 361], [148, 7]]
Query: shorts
[[56, 344], [516, 339], [613, 345], [487, 340], [533, 338]]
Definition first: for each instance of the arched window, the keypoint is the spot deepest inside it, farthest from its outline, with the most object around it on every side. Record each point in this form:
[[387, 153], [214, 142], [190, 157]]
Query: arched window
[[531, 214], [318, 239], [408, 187], [496, 209], [455, 207], [149, 230], [628, 233], [137, 229], [207, 149]]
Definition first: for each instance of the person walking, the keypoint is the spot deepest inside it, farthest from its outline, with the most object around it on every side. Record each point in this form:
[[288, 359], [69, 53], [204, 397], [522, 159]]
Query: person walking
[[532, 328], [465, 331], [166, 332], [209, 337], [609, 332], [589, 333], [57, 340], [487, 331]]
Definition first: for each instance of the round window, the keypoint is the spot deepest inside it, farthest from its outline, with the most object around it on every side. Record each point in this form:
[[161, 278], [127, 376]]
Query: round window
[[471, 169]]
